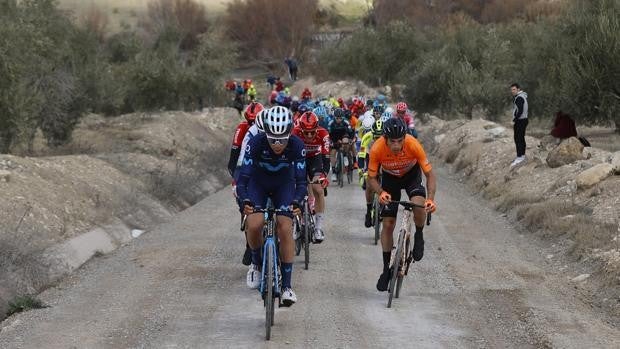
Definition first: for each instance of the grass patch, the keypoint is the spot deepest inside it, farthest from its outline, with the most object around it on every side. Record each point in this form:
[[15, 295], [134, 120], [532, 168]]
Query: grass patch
[[23, 303], [563, 218], [511, 200], [451, 155]]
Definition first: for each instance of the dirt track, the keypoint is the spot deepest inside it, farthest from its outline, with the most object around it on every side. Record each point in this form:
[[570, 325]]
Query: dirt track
[[480, 284]]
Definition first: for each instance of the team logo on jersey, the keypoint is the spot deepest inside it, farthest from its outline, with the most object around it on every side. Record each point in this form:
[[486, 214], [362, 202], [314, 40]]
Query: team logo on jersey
[[301, 165], [303, 152], [247, 162], [247, 148]]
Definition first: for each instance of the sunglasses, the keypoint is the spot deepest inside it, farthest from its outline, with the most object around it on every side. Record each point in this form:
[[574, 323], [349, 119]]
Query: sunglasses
[[309, 133], [277, 141]]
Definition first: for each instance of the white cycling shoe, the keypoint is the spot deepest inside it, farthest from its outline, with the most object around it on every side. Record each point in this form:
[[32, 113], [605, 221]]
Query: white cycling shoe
[[253, 277], [318, 236], [288, 297]]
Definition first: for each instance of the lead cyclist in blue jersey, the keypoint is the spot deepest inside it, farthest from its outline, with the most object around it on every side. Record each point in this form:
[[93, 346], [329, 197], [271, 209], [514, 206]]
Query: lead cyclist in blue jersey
[[274, 166]]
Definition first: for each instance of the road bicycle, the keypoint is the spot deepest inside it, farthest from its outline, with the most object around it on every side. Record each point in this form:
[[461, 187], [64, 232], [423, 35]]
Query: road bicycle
[[344, 163], [270, 285], [375, 211], [402, 256], [304, 229]]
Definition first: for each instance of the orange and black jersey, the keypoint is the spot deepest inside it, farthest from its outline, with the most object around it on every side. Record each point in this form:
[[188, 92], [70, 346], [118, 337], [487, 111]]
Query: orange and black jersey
[[399, 164]]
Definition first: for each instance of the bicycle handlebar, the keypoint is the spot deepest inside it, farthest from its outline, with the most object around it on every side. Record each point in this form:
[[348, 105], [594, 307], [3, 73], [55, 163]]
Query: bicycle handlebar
[[262, 210], [410, 205]]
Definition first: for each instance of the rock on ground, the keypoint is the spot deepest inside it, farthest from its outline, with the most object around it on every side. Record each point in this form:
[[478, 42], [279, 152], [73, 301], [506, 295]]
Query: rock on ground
[[567, 152], [594, 175]]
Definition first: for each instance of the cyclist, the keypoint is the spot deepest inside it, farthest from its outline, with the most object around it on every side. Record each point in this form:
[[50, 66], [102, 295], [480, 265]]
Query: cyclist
[[306, 94], [323, 115], [252, 93], [316, 140], [367, 142], [340, 131], [353, 121], [401, 158], [250, 114], [273, 167], [402, 111]]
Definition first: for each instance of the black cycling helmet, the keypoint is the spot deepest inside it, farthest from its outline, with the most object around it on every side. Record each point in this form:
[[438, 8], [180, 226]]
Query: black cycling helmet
[[347, 114], [338, 113], [394, 128]]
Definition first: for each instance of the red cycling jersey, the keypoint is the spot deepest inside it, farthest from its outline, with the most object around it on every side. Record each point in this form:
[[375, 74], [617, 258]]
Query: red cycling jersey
[[408, 118], [242, 129], [319, 145]]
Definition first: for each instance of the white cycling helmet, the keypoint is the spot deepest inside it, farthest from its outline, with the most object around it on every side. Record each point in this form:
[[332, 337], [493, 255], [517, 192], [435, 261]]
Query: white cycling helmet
[[259, 120], [389, 110], [278, 123], [368, 121]]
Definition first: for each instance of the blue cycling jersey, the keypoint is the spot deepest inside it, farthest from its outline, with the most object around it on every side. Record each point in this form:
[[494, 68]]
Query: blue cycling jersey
[[263, 172]]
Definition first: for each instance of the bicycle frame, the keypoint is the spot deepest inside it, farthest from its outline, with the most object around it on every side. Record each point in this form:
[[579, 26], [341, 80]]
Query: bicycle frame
[[270, 243], [401, 258]]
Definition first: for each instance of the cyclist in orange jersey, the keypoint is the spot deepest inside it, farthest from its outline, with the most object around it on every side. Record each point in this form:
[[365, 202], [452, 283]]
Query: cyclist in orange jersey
[[401, 157]]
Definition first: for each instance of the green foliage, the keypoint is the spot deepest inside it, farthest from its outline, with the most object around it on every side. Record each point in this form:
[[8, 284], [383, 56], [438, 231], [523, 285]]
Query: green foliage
[[569, 62], [375, 56], [23, 303], [54, 71]]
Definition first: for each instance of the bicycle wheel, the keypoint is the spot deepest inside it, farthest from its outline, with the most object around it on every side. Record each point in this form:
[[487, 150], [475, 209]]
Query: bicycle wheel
[[298, 241], [269, 297], [340, 164], [307, 237], [401, 276], [375, 217], [395, 266]]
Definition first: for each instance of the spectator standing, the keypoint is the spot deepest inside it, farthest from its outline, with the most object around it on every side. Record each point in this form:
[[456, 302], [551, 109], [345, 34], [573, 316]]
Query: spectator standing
[[292, 68], [519, 119], [271, 81]]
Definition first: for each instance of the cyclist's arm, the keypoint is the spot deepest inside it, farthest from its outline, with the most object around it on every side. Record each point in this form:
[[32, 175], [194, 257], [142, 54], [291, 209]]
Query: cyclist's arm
[[373, 172], [431, 183], [246, 169], [236, 148], [232, 161], [326, 163], [301, 181], [426, 167], [325, 153]]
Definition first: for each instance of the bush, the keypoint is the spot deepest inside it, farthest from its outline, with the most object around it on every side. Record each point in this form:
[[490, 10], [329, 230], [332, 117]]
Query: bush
[[54, 71], [23, 303], [376, 56], [565, 60], [40, 87]]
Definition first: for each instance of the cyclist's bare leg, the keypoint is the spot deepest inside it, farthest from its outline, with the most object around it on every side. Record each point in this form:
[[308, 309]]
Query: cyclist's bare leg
[[419, 214], [387, 231], [369, 194], [319, 204], [319, 198], [419, 218], [254, 226], [285, 235], [332, 157], [311, 194]]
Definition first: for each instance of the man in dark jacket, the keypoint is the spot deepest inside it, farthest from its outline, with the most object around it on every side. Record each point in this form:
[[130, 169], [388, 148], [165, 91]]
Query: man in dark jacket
[[291, 63], [519, 119]]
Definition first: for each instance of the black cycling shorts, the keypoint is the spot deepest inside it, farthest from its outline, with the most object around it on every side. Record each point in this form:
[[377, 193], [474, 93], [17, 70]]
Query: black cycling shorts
[[314, 166], [411, 182]]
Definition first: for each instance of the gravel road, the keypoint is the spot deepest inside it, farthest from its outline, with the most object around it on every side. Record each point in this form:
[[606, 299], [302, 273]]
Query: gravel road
[[481, 284]]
